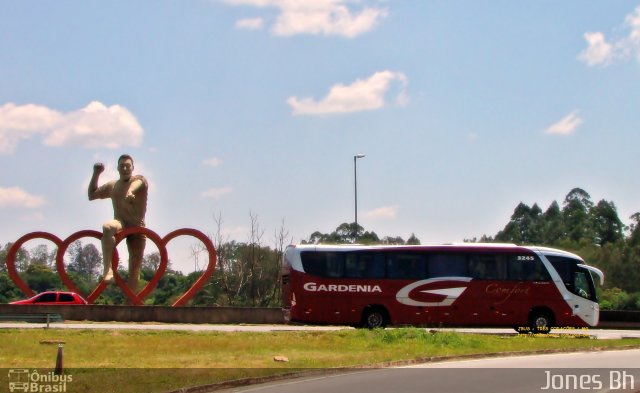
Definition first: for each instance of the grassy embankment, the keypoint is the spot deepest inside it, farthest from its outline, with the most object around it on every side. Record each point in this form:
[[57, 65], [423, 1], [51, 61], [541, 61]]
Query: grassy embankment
[[160, 361]]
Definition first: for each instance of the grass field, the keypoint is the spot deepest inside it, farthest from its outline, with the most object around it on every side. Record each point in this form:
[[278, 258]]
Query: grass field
[[161, 361]]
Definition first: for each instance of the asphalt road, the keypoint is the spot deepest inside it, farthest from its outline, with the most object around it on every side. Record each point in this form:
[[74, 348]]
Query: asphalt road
[[606, 371]]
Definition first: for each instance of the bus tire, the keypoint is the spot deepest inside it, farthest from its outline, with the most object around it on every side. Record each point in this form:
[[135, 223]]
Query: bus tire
[[540, 322], [374, 317]]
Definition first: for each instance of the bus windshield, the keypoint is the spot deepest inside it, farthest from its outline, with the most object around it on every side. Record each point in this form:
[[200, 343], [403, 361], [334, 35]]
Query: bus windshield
[[576, 276]]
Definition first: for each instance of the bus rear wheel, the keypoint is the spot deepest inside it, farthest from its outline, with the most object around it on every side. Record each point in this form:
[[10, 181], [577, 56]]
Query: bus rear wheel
[[374, 317], [540, 322]]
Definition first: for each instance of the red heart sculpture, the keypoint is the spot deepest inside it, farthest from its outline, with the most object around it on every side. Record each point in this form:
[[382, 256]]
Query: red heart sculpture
[[11, 258], [136, 299]]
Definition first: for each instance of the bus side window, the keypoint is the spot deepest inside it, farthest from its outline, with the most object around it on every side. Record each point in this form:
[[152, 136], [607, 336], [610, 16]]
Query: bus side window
[[447, 265], [406, 266], [373, 264], [335, 265], [364, 265], [527, 268], [488, 267], [323, 264], [564, 267], [352, 268]]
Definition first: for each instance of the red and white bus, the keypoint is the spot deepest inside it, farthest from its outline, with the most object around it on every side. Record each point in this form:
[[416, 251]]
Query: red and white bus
[[528, 288]]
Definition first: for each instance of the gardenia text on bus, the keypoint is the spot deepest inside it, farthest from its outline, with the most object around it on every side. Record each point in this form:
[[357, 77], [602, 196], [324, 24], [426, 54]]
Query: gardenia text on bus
[[313, 287]]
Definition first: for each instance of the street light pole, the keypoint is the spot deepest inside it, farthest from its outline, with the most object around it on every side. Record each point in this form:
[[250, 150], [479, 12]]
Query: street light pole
[[355, 186]]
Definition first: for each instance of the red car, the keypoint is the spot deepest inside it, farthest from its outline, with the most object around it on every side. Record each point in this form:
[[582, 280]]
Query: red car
[[53, 298]]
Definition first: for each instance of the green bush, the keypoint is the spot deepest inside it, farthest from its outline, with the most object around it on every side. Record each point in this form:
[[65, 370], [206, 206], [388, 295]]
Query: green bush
[[617, 299]]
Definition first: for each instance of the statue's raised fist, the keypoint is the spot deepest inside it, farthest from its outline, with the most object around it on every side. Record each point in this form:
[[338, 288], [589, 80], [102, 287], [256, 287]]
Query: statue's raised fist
[[98, 167]]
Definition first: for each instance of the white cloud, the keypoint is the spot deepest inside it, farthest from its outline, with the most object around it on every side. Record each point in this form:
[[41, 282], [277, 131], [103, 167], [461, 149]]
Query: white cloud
[[317, 17], [212, 162], [15, 197], [361, 95], [598, 52], [566, 126], [216, 193], [250, 24], [601, 52], [23, 122], [382, 213], [633, 40], [93, 126]]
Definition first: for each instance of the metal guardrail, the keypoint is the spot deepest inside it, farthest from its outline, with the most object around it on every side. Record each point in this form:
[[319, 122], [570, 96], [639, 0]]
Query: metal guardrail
[[32, 317], [619, 319]]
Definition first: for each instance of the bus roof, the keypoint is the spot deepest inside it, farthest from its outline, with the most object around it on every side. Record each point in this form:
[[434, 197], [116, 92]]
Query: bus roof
[[434, 247]]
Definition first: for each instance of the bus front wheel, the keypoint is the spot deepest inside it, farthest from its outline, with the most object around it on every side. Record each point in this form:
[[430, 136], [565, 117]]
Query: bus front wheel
[[374, 317]]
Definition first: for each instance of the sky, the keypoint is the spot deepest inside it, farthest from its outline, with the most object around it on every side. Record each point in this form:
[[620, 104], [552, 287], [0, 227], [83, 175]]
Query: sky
[[251, 111]]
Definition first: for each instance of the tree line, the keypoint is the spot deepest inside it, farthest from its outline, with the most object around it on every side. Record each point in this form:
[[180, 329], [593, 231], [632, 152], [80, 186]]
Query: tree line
[[248, 273], [592, 230]]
